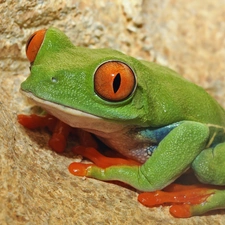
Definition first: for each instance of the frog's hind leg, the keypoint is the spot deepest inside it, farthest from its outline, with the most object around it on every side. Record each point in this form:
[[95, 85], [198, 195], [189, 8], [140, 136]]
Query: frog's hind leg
[[187, 201], [209, 167]]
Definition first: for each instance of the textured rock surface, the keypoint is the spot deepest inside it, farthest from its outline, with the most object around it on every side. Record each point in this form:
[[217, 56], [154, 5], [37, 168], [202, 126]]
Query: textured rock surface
[[36, 187]]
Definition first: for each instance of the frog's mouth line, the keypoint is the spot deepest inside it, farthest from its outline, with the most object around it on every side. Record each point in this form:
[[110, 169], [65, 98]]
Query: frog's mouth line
[[76, 118]]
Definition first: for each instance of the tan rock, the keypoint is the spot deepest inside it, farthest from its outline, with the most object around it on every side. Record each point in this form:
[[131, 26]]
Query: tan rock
[[36, 187]]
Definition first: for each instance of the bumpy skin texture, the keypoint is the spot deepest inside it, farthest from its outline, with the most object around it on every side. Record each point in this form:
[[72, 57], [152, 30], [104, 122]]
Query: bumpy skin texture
[[175, 116]]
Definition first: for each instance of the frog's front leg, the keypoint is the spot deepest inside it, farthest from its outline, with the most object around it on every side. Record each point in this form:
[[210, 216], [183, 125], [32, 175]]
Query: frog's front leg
[[172, 157]]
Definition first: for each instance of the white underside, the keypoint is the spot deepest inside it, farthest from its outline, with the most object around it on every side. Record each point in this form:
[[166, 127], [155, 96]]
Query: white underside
[[76, 118], [111, 133]]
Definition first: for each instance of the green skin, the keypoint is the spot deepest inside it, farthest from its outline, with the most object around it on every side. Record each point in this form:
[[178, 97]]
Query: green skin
[[62, 83]]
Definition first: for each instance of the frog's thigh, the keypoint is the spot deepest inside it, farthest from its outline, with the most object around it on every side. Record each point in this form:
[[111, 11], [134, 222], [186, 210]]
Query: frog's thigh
[[175, 154], [209, 165]]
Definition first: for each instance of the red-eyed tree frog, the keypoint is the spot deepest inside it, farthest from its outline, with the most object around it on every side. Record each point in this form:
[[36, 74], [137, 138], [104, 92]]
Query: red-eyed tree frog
[[146, 112]]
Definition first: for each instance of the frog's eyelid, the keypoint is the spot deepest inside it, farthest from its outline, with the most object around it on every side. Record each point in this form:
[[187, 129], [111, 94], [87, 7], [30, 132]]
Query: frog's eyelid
[[34, 43]]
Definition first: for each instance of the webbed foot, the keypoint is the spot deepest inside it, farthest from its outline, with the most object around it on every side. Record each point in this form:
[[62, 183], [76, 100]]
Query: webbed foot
[[185, 201]]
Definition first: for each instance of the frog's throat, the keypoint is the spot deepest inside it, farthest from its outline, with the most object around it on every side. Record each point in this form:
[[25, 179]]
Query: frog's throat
[[77, 118]]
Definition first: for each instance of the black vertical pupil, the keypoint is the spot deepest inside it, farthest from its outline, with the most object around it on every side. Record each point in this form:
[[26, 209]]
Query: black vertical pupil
[[116, 83]]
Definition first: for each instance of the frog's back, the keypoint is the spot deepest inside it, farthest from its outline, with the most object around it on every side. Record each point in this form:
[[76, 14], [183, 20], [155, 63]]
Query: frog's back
[[174, 99]]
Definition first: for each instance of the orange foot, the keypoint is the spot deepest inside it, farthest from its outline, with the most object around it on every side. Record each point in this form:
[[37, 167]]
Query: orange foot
[[180, 197], [100, 160], [34, 121], [59, 129], [79, 169]]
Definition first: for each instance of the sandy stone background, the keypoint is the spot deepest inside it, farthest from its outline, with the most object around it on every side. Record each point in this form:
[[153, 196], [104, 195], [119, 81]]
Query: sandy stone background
[[36, 187]]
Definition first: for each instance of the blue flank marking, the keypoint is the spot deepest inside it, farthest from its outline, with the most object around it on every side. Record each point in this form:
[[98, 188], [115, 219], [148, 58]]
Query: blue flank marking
[[150, 149], [156, 135]]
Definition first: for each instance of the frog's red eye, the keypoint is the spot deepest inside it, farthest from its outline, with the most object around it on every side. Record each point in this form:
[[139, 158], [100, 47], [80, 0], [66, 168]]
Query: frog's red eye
[[34, 43], [114, 81]]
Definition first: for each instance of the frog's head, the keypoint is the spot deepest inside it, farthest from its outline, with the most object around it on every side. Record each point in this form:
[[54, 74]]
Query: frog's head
[[66, 79]]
